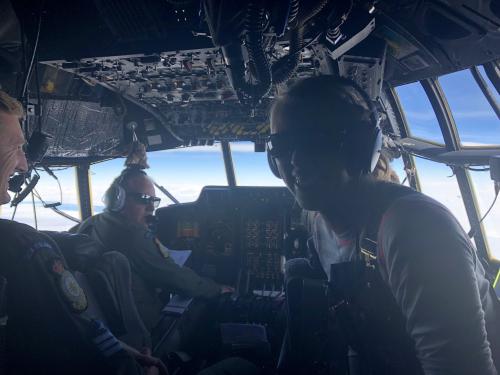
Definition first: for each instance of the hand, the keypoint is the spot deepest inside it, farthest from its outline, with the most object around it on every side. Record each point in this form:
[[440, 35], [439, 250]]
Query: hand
[[225, 289], [153, 365]]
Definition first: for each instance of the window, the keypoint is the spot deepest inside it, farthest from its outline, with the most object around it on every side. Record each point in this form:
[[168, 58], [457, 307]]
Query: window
[[485, 193], [251, 168], [48, 189], [422, 121], [438, 182], [399, 168], [477, 123], [183, 172]]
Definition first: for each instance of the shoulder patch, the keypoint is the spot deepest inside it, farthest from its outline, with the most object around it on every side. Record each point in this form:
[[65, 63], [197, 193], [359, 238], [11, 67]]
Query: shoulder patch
[[68, 286], [37, 246]]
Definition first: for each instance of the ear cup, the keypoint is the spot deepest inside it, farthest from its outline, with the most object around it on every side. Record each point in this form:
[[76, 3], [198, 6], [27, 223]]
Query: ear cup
[[377, 148], [114, 199], [361, 150], [362, 147], [272, 165]]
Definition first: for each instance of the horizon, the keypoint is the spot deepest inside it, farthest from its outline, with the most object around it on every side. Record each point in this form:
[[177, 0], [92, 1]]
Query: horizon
[[184, 171]]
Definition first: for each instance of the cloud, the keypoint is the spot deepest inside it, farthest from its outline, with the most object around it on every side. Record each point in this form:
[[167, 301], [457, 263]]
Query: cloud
[[46, 218], [235, 147], [474, 114], [420, 115]]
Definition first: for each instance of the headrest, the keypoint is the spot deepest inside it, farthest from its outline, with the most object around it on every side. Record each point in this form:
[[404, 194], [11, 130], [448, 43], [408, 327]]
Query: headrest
[[79, 250]]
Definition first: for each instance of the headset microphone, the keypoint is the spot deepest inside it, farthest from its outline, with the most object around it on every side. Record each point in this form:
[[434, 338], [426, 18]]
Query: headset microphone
[[38, 144], [28, 189], [16, 182]]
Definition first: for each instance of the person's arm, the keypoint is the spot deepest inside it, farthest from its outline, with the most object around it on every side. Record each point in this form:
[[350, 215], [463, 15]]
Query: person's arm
[[115, 234], [165, 273], [430, 266]]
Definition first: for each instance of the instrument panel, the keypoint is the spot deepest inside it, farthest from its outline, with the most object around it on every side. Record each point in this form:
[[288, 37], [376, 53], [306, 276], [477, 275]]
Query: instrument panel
[[236, 234]]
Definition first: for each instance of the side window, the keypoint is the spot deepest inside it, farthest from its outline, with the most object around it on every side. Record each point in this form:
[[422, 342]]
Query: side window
[[438, 182], [485, 194], [419, 114], [251, 168], [48, 190], [183, 172], [398, 166], [477, 122]]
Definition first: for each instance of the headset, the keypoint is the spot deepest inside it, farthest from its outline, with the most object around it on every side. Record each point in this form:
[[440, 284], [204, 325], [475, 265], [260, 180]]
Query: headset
[[114, 198], [360, 147], [36, 148]]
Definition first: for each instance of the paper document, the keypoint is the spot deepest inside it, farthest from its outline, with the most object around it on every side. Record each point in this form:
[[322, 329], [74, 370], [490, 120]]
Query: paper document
[[179, 256]]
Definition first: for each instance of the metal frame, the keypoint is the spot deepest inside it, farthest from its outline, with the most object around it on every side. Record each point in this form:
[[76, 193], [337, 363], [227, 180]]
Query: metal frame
[[408, 160], [84, 191], [452, 141], [492, 70], [228, 163], [485, 89]]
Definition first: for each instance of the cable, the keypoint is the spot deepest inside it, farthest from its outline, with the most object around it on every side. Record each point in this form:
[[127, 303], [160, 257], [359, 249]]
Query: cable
[[55, 209], [34, 210], [474, 229], [35, 48], [15, 210], [39, 99], [64, 214]]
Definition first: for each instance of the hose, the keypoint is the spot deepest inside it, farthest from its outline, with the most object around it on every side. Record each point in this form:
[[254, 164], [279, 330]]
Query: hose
[[294, 11], [287, 65], [254, 26]]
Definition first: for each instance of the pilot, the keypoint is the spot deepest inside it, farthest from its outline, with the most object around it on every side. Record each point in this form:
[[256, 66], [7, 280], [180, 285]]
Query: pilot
[[424, 305], [48, 330], [123, 226]]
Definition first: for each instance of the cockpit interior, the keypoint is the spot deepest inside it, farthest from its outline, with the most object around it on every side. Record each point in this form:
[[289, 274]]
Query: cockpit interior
[[193, 81]]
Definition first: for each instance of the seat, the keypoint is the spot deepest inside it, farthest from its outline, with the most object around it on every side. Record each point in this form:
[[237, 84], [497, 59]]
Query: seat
[[106, 280]]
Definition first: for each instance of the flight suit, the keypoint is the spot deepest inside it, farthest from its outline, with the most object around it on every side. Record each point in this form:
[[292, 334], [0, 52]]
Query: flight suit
[[48, 330], [151, 266], [425, 304]]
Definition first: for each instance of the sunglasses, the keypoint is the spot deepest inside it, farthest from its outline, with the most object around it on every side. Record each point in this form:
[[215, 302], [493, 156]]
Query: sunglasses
[[282, 145], [144, 199]]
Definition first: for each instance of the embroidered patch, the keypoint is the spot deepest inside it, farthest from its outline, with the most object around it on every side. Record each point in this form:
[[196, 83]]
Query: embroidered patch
[[37, 246], [58, 267], [69, 287], [73, 292]]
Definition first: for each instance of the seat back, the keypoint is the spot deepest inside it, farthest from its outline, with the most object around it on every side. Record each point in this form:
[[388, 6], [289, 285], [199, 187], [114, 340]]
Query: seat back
[[106, 279]]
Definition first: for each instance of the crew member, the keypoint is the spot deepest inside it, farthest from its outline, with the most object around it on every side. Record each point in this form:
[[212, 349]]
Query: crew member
[[130, 204], [48, 327], [424, 305], [330, 248]]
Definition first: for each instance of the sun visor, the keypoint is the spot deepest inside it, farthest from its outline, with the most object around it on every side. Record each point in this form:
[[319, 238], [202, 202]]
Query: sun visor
[[81, 129]]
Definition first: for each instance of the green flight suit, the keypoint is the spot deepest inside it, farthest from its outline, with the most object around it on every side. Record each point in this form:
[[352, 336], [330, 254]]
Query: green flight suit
[[151, 266], [48, 329]]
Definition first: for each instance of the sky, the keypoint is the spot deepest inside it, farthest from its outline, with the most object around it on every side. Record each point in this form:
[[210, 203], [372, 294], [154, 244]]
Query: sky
[[184, 172]]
